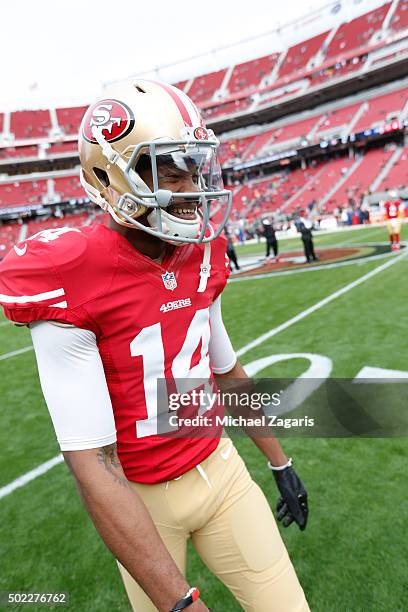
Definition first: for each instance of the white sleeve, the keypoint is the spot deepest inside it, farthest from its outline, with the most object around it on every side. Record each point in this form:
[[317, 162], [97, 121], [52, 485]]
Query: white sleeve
[[74, 386], [222, 355]]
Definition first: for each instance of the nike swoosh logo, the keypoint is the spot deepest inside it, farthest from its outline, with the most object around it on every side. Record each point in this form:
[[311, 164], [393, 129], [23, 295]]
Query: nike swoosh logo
[[20, 252], [225, 454]]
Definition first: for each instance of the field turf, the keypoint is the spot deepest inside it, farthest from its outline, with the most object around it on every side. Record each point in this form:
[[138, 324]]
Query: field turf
[[353, 557]]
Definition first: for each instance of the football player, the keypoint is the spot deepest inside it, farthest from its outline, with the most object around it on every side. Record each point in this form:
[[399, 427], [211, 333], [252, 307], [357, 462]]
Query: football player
[[392, 213], [112, 310]]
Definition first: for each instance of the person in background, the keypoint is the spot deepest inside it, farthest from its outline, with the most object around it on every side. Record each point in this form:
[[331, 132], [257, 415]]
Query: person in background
[[392, 214], [304, 227], [231, 252], [270, 236]]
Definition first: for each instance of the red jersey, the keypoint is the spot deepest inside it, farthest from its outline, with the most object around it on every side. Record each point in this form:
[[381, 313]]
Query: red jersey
[[392, 209], [149, 320]]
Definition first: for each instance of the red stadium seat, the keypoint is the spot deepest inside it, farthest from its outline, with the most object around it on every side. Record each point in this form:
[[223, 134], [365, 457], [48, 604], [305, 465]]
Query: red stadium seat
[[357, 32], [30, 124], [399, 20], [69, 187], [382, 108], [248, 75], [69, 119], [204, 87], [63, 147], [338, 119], [9, 233], [363, 176], [228, 108], [21, 152], [397, 176], [22, 192], [299, 55]]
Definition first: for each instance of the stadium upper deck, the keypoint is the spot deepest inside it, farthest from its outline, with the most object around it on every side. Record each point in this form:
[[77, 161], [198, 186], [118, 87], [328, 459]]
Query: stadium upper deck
[[349, 49]]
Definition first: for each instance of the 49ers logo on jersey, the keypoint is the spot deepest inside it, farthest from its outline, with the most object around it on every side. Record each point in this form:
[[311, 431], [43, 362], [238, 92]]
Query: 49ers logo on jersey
[[114, 118]]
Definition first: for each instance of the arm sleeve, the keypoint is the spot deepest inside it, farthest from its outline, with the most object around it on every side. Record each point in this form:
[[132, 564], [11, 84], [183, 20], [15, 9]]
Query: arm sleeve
[[222, 355], [74, 386]]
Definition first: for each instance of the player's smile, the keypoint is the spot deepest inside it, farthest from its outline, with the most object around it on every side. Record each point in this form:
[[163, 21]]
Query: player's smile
[[183, 211]]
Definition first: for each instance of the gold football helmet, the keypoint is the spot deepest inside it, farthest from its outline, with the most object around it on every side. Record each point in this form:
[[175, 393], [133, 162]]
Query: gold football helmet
[[139, 140]]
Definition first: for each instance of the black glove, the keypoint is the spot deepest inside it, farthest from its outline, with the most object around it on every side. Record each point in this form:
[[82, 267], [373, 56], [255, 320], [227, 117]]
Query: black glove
[[292, 505]]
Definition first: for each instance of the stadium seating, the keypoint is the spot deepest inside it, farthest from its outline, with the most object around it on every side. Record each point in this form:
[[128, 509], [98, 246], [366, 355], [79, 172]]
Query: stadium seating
[[390, 56], [32, 192], [9, 233], [63, 147], [277, 93], [382, 108], [26, 151], [228, 108], [248, 75], [324, 182], [69, 187], [306, 192], [30, 124], [69, 119], [181, 85], [24, 192], [292, 132], [337, 120], [255, 147], [359, 181], [204, 87], [397, 176], [357, 32], [337, 70], [269, 194], [71, 220], [399, 20], [298, 56], [233, 150]]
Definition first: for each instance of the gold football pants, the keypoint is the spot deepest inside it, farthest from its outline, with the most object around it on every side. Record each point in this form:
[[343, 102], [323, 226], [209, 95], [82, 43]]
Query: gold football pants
[[232, 528], [394, 226]]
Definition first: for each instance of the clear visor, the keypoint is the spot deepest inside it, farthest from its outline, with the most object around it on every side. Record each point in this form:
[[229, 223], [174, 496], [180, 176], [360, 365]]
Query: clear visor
[[187, 169]]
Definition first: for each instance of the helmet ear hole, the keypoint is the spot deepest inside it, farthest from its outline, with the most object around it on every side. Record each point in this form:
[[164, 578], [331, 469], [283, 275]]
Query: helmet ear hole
[[102, 176]]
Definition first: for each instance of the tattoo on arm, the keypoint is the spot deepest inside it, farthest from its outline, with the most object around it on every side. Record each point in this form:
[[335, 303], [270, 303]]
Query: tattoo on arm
[[108, 457]]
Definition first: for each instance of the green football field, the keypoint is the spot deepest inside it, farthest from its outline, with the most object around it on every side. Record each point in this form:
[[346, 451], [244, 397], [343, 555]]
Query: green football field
[[353, 556]]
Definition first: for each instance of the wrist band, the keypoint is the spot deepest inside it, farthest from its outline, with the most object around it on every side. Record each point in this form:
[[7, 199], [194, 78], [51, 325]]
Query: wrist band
[[279, 468], [190, 597]]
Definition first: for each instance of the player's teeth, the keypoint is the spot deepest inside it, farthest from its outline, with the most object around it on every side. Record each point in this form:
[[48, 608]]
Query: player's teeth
[[182, 211]]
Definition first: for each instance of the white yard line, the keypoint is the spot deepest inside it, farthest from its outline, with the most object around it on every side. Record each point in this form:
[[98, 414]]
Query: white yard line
[[44, 467], [29, 476], [25, 349]]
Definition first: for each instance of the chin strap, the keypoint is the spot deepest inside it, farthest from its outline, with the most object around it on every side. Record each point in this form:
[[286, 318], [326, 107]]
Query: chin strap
[[92, 193], [205, 268]]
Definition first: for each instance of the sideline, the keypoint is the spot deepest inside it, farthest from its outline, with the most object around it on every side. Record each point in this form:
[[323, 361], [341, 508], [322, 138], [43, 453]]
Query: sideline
[[337, 264]]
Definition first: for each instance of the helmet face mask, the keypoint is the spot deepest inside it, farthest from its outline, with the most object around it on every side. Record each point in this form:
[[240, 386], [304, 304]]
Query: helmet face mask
[[173, 180]]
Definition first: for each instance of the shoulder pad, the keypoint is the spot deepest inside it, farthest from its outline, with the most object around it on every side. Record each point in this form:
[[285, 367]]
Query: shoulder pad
[[56, 270]]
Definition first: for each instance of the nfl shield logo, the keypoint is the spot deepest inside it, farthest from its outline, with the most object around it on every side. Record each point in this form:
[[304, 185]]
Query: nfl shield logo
[[169, 280]]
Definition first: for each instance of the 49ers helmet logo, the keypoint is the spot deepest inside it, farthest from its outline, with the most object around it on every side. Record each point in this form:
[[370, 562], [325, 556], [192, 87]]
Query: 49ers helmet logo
[[200, 133], [114, 117]]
